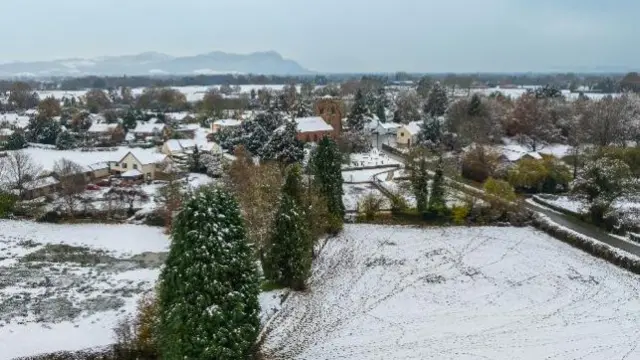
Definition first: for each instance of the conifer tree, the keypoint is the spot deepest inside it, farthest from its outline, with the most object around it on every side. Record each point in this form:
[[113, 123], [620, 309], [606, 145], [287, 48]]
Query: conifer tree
[[356, 120], [326, 166], [437, 102], [437, 202], [419, 179], [209, 287], [284, 146], [290, 249], [65, 141], [431, 134]]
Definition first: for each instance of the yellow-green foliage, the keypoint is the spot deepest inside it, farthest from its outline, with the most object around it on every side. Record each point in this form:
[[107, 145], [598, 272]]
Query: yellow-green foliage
[[540, 175], [500, 189], [459, 214], [370, 206]]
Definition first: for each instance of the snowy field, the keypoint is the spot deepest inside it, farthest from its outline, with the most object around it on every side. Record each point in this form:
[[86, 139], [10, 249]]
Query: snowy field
[[372, 158], [458, 293], [192, 93], [361, 175], [63, 287], [355, 193]]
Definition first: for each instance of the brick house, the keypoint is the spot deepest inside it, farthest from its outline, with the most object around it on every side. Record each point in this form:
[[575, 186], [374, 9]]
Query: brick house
[[330, 110], [313, 128]]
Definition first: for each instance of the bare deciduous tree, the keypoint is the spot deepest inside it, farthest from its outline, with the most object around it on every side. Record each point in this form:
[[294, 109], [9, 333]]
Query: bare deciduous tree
[[20, 169], [72, 182]]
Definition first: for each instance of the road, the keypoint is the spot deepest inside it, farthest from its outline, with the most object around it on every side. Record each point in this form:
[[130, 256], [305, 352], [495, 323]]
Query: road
[[570, 222]]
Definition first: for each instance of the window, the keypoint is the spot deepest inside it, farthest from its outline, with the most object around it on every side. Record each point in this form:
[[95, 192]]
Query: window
[[135, 166], [401, 134], [124, 165], [148, 175]]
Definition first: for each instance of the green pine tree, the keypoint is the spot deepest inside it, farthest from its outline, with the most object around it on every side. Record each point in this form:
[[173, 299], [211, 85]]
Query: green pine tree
[[208, 296], [16, 141], [357, 118], [290, 249], [475, 106], [437, 101], [65, 141], [326, 164], [437, 204], [419, 180]]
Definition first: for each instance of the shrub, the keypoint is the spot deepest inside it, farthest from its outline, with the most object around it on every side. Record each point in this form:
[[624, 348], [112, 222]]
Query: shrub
[[459, 214], [479, 163], [7, 204], [370, 206], [500, 189], [540, 175]]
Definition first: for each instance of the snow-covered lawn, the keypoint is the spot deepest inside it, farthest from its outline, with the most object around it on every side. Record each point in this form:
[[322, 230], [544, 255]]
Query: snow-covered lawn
[[354, 193], [64, 287], [372, 158], [360, 175], [458, 293]]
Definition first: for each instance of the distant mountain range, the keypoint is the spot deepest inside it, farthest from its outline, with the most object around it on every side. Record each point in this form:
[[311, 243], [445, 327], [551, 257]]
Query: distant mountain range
[[154, 63]]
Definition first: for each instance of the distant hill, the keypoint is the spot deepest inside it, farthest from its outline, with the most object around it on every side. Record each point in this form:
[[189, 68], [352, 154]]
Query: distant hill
[[153, 63]]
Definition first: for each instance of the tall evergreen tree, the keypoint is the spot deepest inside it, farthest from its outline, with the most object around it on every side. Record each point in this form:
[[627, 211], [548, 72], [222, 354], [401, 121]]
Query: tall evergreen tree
[[437, 202], [290, 249], [303, 109], [475, 106], [65, 141], [431, 134], [382, 104], [357, 118], [437, 102], [16, 141], [208, 296], [326, 165], [284, 147], [419, 179]]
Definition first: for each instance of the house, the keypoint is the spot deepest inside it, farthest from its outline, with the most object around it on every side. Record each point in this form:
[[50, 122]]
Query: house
[[177, 146], [187, 130], [103, 131], [97, 171], [312, 129], [224, 124], [407, 134], [5, 134], [150, 165], [40, 187], [513, 153], [383, 128], [150, 129]]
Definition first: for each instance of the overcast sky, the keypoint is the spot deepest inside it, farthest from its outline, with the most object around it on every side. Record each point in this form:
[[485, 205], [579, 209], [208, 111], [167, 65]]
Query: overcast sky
[[336, 35]]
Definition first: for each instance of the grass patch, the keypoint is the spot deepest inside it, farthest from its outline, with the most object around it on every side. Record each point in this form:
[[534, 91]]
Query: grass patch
[[29, 244], [270, 286], [61, 253]]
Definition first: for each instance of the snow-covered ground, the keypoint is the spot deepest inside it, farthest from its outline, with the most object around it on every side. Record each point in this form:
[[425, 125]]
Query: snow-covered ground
[[372, 158], [64, 287], [355, 193], [458, 293], [192, 93], [360, 175], [630, 208]]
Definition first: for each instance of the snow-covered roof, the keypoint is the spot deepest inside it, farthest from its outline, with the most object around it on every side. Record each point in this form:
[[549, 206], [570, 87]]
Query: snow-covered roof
[[176, 145], [227, 122], [98, 166], [389, 125], [146, 157], [6, 132], [148, 127], [131, 173], [40, 183], [101, 128], [312, 124], [514, 152], [190, 127], [178, 116], [413, 127]]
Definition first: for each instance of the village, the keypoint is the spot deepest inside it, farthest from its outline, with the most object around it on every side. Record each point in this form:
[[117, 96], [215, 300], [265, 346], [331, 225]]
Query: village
[[345, 180]]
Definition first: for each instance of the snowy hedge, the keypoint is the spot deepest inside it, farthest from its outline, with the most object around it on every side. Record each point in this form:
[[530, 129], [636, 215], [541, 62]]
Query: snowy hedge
[[590, 245]]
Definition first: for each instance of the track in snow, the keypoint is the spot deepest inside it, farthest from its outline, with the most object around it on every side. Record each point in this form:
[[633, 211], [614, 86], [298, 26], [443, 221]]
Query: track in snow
[[458, 293]]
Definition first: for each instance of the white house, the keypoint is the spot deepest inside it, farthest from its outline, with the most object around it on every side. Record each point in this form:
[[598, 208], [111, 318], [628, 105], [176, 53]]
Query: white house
[[407, 134], [383, 128], [147, 164], [178, 146]]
